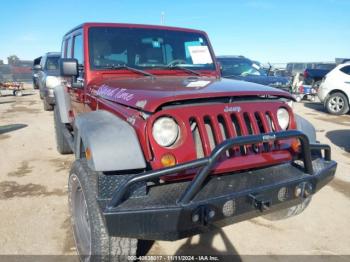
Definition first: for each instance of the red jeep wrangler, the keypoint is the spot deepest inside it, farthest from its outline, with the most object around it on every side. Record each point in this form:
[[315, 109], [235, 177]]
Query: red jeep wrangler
[[165, 148]]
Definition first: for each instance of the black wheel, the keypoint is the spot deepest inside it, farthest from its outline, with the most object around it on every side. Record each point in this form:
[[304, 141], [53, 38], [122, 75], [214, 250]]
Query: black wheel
[[337, 104], [289, 212], [47, 106], [62, 144], [90, 234]]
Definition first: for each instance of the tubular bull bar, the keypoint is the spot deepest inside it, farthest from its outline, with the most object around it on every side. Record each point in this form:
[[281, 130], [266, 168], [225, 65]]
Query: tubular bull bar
[[187, 210]]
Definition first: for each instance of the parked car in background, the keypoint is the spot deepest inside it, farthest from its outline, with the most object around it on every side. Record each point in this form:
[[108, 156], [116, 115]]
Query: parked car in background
[[313, 76], [35, 72], [334, 90], [48, 77], [294, 68], [280, 72], [242, 68]]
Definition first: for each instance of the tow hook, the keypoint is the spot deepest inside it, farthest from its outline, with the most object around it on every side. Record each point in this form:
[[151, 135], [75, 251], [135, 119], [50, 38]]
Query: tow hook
[[260, 203]]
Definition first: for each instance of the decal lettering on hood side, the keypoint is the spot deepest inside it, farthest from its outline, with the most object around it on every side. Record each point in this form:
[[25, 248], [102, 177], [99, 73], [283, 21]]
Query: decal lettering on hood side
[[115, 93]]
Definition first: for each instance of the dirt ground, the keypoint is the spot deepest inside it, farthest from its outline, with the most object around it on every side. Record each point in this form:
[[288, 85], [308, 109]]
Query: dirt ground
[[33, 195]]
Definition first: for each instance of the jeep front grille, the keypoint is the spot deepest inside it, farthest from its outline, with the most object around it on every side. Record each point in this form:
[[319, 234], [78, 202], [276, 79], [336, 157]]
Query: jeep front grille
[[210, 130]]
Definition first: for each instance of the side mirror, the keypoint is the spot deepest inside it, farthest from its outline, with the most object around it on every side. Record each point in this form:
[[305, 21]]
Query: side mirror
[[37, 67], [69, 67]]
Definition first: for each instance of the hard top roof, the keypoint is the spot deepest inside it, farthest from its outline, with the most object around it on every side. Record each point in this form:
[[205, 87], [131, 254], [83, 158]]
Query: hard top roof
[[93, 24]]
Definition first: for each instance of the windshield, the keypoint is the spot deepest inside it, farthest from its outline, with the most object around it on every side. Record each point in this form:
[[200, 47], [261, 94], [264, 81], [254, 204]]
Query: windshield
[[239, 67], [52, 63], [148, 48]]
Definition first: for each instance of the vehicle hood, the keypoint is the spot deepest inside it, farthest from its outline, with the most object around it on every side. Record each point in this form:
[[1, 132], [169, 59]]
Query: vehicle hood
[[275, 81], [148, 93]]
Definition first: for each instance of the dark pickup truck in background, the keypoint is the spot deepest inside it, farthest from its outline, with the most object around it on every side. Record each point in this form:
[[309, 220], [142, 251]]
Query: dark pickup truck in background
[[314, 75]]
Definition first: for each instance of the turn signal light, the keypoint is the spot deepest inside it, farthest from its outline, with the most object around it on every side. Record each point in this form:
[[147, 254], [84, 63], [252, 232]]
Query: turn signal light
[[296, 146], [88, 153], [168, 160]]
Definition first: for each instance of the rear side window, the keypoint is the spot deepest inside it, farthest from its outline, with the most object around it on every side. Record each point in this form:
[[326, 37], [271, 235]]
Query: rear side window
[[346, 70], [78, 49]]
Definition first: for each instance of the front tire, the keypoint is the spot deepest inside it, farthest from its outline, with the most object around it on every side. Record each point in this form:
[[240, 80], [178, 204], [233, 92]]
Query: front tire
[[337, 104], [62, 144], [90, 234], [47, 106]]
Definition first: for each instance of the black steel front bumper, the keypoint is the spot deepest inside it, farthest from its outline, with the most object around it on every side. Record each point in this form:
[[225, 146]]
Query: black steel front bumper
[[176, 210]]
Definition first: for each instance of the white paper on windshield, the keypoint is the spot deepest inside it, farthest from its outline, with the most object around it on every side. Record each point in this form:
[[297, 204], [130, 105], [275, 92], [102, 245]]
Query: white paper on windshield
[[200, 83], [200, 55]]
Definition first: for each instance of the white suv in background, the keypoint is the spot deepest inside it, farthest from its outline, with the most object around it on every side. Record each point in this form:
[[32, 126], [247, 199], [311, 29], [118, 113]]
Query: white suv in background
[[334, 90]]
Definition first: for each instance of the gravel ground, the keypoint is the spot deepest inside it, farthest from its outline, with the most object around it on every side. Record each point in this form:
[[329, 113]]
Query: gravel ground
[[33, 195]]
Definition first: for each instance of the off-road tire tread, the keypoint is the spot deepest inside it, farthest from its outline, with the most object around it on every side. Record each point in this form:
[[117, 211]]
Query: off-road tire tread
[[104, 247]]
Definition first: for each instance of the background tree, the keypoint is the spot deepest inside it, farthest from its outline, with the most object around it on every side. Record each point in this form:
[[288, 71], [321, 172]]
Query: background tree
[[12, 60]]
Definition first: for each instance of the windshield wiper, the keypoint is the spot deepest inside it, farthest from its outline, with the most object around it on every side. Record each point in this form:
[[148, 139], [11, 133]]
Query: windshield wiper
[[124, 66], [184, 69]]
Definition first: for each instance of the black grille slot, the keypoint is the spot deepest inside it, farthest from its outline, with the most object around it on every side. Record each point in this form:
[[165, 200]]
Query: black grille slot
[[248, 124], [259, 123]]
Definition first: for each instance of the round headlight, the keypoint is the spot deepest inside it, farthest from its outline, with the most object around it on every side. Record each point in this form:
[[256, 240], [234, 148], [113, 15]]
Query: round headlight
[[165, 131], [283, 118], [52, 81]]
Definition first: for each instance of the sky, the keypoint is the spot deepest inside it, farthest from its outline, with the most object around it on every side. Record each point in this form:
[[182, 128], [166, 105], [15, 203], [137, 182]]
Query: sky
[[273, 31]]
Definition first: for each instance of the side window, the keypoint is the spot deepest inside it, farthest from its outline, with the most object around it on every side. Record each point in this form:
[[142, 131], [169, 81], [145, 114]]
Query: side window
[[69, 48], [346, 70], [78, 52]]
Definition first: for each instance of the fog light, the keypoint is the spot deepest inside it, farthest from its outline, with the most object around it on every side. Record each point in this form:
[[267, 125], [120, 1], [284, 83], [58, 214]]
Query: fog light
[[282, 194], [168, 160], [229, 208]]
